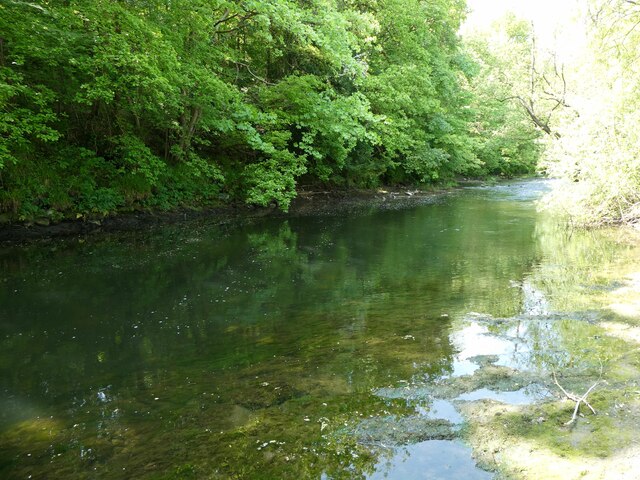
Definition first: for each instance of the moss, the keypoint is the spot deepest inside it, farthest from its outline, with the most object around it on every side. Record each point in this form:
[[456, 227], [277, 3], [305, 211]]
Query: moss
[[498, 431], [593, 436]]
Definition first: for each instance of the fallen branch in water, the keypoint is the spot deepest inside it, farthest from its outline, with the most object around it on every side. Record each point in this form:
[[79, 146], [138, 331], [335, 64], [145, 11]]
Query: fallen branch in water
[[575, 398]]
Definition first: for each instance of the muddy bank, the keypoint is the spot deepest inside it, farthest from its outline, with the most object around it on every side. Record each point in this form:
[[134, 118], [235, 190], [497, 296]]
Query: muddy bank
[[306, 203], [44, 228]]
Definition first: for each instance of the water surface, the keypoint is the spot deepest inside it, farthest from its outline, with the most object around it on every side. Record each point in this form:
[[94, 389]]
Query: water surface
[[258, 351]]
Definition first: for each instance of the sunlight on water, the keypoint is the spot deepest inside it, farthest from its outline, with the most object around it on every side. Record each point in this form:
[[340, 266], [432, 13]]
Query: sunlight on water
[[433, 460]]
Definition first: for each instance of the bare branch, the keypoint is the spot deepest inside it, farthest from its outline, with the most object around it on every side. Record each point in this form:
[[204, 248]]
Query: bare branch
[[257, 77], [579, 400], [582, 399], [572, 396]]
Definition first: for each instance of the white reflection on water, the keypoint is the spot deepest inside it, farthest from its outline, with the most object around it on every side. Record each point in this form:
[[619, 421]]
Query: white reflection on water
[[433, 460]]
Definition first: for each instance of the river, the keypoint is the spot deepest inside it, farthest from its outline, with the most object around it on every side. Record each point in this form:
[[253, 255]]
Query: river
[[326, 346]]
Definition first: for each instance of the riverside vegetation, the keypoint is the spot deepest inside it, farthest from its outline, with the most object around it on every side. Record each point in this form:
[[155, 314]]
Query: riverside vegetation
[[112, 106], [157, 105], [598, 152], [365, 344]]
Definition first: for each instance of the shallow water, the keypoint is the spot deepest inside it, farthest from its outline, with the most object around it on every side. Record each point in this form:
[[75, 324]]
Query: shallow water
[[431, 460], [258, 350]]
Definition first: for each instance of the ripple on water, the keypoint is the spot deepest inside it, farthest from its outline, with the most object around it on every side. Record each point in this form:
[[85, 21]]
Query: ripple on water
[[520, 191]]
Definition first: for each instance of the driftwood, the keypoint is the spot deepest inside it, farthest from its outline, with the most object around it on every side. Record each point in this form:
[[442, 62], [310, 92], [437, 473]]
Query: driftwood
[[575, 398]]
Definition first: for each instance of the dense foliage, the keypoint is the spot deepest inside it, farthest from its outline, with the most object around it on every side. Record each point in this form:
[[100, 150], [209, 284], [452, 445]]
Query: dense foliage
[[510, 118], [598, 154], [119, 104]]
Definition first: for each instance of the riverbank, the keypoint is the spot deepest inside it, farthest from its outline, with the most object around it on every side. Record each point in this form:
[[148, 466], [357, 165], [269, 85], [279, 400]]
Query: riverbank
[[591, 345], [307, 202], [539, 440]]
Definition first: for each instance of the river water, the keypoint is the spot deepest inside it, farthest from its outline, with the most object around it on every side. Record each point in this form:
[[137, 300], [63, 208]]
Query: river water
[[300, 347]]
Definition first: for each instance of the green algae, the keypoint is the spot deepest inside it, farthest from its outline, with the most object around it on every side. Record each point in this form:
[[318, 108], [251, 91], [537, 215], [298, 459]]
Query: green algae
[[307, 347]]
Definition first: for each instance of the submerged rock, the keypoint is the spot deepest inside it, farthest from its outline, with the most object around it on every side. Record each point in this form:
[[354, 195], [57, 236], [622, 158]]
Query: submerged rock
[[410, 393], [484, 360], [392, 430], [528, 395], [490, 376]]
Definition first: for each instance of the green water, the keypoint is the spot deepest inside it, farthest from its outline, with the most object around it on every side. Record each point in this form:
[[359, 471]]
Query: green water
[[258, 350]]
